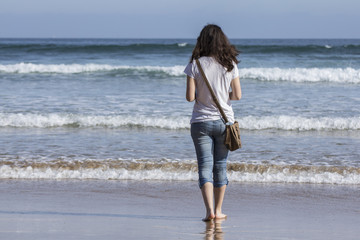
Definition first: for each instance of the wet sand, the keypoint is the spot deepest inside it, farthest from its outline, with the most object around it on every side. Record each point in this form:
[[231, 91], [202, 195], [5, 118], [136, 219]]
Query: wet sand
[[173, 210]]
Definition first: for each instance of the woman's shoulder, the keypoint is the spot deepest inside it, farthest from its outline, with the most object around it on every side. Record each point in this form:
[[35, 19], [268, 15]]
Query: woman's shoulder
[[208, 62], [206, 59]]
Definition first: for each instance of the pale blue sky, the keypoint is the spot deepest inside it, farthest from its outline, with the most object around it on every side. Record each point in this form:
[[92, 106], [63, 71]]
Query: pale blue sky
[[179, 18]]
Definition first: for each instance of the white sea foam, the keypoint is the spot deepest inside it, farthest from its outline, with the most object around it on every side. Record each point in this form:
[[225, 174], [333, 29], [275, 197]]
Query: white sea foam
[[340, 75], [74, 120], [84, 68], [299, 177], [7, 172], [182, 44], [168, 170], [288, 123], [299, 123]]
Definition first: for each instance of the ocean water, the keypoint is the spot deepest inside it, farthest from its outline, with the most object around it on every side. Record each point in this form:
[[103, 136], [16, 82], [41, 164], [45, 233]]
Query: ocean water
[[116, 109]]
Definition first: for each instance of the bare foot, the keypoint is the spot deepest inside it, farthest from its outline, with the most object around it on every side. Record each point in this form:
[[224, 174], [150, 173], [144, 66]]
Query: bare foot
[[209, 217], [220, 216]]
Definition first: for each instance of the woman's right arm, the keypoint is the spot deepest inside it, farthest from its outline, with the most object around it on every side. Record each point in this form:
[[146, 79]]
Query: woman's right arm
[[190, 89], [236, 89]]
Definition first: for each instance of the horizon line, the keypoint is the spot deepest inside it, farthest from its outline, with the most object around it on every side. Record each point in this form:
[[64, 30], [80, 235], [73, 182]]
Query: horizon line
[[176, 38]]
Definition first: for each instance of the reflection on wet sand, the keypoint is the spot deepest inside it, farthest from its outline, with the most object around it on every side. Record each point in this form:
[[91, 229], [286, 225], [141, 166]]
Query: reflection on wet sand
[[214, 230]]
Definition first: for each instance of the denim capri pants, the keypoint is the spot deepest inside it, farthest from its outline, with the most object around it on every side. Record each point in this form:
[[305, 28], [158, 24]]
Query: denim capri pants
[[211, 152]]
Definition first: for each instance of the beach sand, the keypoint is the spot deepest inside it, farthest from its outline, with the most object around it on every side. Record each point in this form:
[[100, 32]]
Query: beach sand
[[90, 209]]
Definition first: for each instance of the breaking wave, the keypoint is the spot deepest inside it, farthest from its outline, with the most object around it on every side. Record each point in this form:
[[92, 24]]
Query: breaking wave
[[336, 75], [84, 121], [25, 68], [181, 170], [287, 123], [293, 123]]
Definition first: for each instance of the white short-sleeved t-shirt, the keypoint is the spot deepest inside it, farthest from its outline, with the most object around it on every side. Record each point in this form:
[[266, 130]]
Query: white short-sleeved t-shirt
[[205, 108]]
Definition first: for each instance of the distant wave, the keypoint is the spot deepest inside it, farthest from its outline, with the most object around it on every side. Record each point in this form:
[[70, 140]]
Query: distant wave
[[184, 44], [301, 49], [184, 170], [181, 47], [282, 122], [92, 48], [337, 75]]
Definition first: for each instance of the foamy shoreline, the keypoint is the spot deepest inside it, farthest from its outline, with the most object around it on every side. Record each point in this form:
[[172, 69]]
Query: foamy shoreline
[[175, 170]]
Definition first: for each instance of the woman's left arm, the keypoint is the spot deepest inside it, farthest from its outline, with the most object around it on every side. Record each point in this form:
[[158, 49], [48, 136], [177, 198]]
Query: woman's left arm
[[190, 89]]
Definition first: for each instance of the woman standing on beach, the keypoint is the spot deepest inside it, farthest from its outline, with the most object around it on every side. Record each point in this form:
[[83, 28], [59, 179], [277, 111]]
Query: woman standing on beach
[[218, 60]]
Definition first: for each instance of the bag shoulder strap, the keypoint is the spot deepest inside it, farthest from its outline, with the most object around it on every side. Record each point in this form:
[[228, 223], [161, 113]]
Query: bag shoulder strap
[[211, 91]]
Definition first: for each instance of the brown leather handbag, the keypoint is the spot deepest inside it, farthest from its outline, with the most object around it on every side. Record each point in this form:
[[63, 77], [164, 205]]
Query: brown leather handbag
[[232, 134]]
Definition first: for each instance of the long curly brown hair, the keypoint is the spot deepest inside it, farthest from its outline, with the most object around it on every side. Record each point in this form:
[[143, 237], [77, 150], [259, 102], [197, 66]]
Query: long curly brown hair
[[212, 42]]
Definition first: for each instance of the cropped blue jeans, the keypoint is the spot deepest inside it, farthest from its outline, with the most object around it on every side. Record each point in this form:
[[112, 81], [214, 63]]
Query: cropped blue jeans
[[211, 152]]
